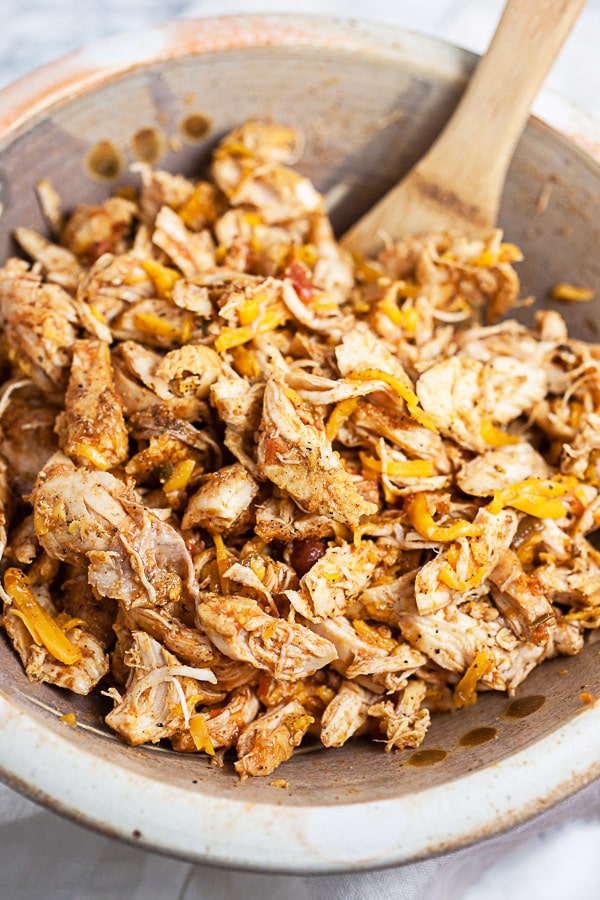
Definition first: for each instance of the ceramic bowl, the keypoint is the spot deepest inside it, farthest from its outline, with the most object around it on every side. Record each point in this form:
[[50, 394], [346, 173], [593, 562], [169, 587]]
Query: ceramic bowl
[[369, 101]]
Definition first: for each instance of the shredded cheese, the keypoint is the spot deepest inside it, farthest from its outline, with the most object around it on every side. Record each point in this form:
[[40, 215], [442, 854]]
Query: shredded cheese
[[92, 454], [251, 217], [367, 270], [294, 397], [374, 635], [40, 624], [449, 574], [223, 562], [249, 311], [506, 253], [389, 306], [494, 436], [229, 337], [420, 517], [245, 362], [200, 736], [69, 719], [449, 577], [405, 317], [570, 293], [321, 304], [97, 314], [535, 496], [198, 208], [528, 549], [297, 725], [410, 316], [163, 277], [305, 253], [587, 697], [178, 480], [150, 323], [401, 388], [270, 630], [339, 416], [510, 253], [258, 567], [588, 616], [395, 468], [68, 623], [465, 692]]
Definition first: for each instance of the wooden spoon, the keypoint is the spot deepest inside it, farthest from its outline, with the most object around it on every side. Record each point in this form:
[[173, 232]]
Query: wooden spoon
[[458, 184]]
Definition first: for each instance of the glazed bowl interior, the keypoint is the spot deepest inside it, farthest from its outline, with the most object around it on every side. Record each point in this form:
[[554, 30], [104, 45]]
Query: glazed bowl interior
[[369, 102]]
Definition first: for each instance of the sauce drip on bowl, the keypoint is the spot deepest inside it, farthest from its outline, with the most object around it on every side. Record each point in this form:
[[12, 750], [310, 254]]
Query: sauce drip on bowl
[[524, 706], [478, 736], [426, 757], [104, 161]]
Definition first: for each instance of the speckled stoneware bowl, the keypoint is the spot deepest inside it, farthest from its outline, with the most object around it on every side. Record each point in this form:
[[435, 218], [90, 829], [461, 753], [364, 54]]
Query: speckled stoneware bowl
[[369, 101]]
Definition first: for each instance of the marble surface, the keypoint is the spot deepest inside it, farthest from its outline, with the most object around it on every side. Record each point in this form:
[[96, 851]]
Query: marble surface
[[43, 856]]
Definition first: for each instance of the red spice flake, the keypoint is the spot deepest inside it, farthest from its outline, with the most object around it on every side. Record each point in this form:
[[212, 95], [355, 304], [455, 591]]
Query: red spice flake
[[299, 276]]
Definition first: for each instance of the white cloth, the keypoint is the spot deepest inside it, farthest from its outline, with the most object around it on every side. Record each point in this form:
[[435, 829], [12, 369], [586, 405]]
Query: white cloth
[[44, 857]]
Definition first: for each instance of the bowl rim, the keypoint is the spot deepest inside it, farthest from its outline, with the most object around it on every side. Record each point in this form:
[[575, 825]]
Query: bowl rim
[[258, 836], [100, 61], [57, 772]]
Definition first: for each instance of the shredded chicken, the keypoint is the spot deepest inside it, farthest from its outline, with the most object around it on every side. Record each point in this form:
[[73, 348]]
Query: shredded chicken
[[95, 427], [241, 630], [158, 694], [83, 516], [38, 320], [222, 500], [294, 453], [259, 492], [346, 714], [270, 739]]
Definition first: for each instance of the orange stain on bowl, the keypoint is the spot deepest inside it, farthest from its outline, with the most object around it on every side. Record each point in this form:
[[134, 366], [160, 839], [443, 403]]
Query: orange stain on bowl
[[148, 144], [104, 161], [524, 706], [426, 757], [478, 736], [195, 126]]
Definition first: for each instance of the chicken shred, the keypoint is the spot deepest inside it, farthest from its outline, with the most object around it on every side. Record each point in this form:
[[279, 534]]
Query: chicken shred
[[241, 630], [95, 427], [294, 453]]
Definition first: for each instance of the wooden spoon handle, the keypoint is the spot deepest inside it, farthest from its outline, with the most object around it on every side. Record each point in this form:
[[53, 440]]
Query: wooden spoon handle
[[475, 149]]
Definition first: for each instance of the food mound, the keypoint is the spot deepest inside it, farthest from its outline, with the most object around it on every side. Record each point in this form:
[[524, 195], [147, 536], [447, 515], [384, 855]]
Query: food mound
[[255, 490]]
